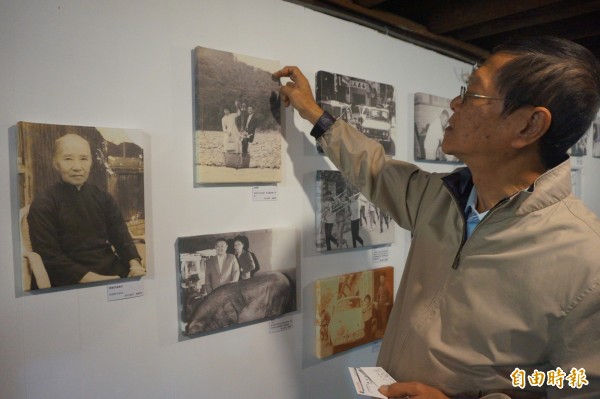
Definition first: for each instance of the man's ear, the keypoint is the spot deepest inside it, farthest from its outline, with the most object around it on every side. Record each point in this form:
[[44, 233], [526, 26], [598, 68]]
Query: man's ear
[[536, 122]]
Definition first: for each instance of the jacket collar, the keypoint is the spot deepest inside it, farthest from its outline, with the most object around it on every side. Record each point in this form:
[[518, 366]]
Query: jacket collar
[[551, 187]]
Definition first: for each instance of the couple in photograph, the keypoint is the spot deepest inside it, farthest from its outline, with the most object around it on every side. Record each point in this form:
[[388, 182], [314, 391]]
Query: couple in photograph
[[239, 128]]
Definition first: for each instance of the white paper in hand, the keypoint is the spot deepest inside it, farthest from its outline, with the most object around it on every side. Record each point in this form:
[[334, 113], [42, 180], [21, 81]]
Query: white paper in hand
[[367, 380]]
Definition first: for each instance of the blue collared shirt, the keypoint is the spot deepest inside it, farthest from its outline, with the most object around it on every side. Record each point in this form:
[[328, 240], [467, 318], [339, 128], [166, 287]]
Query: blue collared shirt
[[473, 217]]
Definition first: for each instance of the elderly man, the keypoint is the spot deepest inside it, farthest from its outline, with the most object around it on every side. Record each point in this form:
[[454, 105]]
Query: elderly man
[[500, 295], [78, 229], [222, 268]]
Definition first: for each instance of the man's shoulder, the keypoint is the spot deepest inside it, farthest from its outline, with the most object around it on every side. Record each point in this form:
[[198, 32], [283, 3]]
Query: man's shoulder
[[583, 216]]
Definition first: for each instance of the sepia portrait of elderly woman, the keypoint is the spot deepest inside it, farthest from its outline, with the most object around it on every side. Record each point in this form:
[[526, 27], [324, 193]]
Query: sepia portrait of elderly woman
[[81, 199]]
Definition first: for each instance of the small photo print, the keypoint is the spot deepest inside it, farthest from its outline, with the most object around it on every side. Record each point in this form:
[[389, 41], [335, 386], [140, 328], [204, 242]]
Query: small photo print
[[237, 118], [81, 199], [431, 119], [345, 218], [367, 105], [579, 149], [352, 309], [232, 279], [596, 138]]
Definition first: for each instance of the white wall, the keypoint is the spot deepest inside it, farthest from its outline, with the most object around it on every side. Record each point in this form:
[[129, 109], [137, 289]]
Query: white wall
[[128, 64]]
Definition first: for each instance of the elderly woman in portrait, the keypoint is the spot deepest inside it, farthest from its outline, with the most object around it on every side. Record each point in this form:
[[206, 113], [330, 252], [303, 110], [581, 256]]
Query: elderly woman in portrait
[[232, 139], [243, 257], [77, 228]]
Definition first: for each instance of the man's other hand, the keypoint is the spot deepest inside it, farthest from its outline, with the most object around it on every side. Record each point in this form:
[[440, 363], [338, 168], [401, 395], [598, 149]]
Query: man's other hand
[[412, 390]]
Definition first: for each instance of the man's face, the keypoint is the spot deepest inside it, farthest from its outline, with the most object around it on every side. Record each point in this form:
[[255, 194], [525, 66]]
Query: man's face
[[250, 109], [73, 160], [221, 248], [477, 129]]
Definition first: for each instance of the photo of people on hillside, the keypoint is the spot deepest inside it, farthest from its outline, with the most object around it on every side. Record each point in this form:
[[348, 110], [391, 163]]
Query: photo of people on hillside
[[237, 118]]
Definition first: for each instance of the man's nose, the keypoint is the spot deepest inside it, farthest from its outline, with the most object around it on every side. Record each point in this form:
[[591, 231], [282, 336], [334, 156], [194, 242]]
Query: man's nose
[[455, 103]]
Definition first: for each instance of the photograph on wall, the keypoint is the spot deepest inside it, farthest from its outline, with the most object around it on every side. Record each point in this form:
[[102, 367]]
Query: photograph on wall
[[237, 118], [596, 138], [232, 279], [344, 217], [352, 309], [367, 105], [579, 149], [431, 118], [81, 204]]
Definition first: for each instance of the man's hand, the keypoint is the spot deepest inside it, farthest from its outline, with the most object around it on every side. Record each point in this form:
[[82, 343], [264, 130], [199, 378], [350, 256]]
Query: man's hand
[[298, 94], [412, 390], [136, 269]]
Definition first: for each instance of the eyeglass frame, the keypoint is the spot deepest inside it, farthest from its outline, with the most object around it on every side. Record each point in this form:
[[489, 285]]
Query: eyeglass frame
[[464, 93]]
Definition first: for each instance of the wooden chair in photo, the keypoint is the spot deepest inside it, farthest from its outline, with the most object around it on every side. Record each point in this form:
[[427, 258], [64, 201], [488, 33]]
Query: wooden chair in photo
[[31, 262]]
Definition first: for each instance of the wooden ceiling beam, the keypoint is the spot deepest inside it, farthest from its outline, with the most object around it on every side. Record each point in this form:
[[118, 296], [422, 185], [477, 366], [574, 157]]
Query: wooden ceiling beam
[[369, 3], [407, 28], [452, 16], [541, 16]]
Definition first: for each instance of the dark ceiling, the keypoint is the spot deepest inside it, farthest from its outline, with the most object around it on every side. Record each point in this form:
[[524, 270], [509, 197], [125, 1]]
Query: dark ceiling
[[469, 29]]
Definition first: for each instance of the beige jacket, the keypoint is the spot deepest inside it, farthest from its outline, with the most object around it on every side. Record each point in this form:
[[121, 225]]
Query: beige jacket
[[522, 292]]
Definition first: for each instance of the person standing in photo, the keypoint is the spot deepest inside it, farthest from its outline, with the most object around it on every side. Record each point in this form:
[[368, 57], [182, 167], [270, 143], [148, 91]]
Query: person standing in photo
[[328, 218], [223, 268], [355, 220], [245, 261], [434, 135], [383, 302], [369, 321], [341, 214], [231, 140], [251, 123]]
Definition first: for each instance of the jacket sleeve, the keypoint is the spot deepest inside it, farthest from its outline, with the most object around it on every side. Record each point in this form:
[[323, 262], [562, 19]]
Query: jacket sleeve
[[393, 185]]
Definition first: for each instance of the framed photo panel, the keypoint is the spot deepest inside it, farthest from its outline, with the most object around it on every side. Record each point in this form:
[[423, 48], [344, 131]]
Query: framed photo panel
[[367, 105], [579, 149], [237, 118], [431, 118], [232, 279], [81, 200], [596, 138], [352, 309], [344, 217]]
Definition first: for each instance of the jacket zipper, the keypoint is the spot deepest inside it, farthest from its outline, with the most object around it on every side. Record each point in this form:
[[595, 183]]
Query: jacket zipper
[[464, 235]]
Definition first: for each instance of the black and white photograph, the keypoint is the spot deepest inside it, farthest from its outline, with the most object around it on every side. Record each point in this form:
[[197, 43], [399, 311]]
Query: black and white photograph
[[431, 119], [345, 218], [579, 149], [367, 105], [237, 118], [231, 279], [352, 309], [81, 205], [596, 138]]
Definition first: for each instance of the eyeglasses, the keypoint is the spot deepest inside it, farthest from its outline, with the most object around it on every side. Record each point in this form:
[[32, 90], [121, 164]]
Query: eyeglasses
[[464, 93]]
